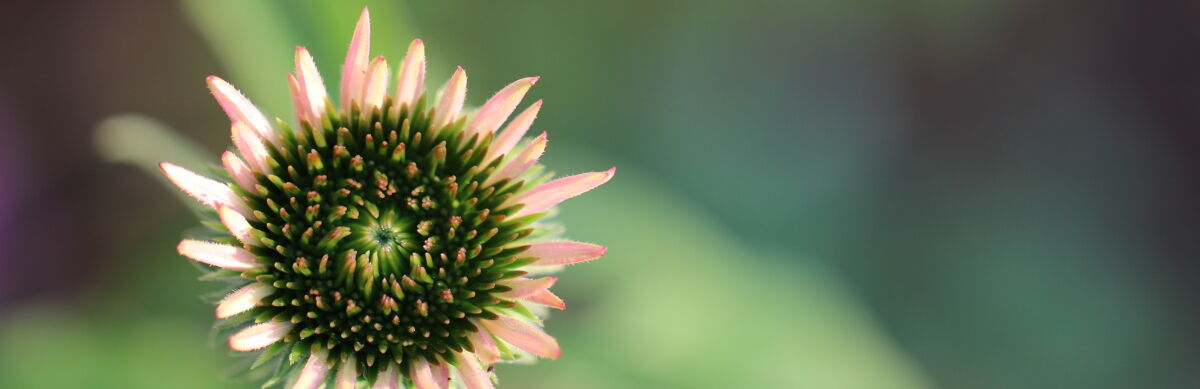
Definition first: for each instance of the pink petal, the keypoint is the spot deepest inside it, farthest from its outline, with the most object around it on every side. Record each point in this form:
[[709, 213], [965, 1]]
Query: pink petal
[[311, 86], [422, 375], [251, 146], [389, 378], [513, 132], [551, 193], [238, 108], [518, 165], [523, 335], [259, 335], [375, 85], [216, 254], [452, 99], [209, 192], [485, 346], [473, 375], [243, 299], [441, 374], [563, 253], [412, 74], [237, 224], [524, 287], [354, 71], [496, 110], [299, 102], [545, 297], [238, 170], [347, 375], [313, 374]]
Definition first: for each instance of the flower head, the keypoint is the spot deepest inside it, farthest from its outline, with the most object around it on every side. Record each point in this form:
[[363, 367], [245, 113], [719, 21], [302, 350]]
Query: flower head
[[387, 238]]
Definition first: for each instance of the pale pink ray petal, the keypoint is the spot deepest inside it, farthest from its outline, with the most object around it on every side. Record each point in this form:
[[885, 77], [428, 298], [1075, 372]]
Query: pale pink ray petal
[[299, 105], [451, 103], [354, 71], [252, 147], [473, 374], [347, 375], [311, 85], [524, 335], [243, 299], [217, 254], [496, 110], [238, 170], [563, 253], [389, 378], [422, 375], [237, 224], [209, 192], [375, 86], [313, 374], [551, 193], [518, 165], [239, 109], [545, 297], [524, 287], [485, 346], [412, 74], [513, 132], [441, 374], [259, 335]]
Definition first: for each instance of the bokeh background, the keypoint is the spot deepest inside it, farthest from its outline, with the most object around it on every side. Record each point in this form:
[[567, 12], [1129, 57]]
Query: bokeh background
[[811, 193]]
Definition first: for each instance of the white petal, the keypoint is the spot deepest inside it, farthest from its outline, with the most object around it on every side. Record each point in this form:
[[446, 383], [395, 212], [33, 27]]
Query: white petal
[[237, 225], [473, 375], [354, 71], [313, 374], [219, 255], [375, 85], [252, 147], [243, 300], [551, 193], [412, 74], [209, 192], [259, 335], [347, 375], [451, 103], [311, 85], [239, 109], [563, 253], [524, 335], [422, 375], [519, 164], [496, 110], [238, 170], [513, 132]]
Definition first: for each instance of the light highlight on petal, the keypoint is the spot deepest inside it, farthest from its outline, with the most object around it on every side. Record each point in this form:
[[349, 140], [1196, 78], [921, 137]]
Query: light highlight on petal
[[313, 374], [485, 346], [422, 375], [545, 297], [239, 108], [551, 193], [411, 74], [524, 335], [237, 225], [389, 378], [451, 103], [519, 164], [216, 254], [354, 70], [525, 287], [243, 300], [496, 110], [259, 335], [375, 85], [209, 192], [473, 375], [347, 375], [238, 170], [312, 88], [513, 132], [251, 146], [563, 253]]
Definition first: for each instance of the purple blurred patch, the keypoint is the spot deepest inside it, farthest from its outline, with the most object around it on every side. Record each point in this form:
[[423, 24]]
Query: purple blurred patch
[[11, 181]]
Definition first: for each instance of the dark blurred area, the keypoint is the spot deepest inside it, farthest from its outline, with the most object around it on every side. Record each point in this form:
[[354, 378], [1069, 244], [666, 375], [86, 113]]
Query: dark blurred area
[[1007, 188]]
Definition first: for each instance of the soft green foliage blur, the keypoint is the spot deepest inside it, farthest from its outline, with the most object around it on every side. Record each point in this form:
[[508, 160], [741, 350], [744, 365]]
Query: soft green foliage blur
[[679, 302]]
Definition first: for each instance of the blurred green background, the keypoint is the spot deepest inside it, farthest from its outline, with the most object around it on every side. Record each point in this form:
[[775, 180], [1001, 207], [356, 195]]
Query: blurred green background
[[811, 193]]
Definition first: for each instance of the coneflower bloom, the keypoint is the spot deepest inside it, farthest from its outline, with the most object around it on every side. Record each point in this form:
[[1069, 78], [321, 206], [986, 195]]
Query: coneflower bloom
[[386, 239]]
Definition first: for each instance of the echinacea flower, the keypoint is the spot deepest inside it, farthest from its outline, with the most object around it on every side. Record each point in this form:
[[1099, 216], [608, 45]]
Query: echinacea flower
[[386, 239]]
